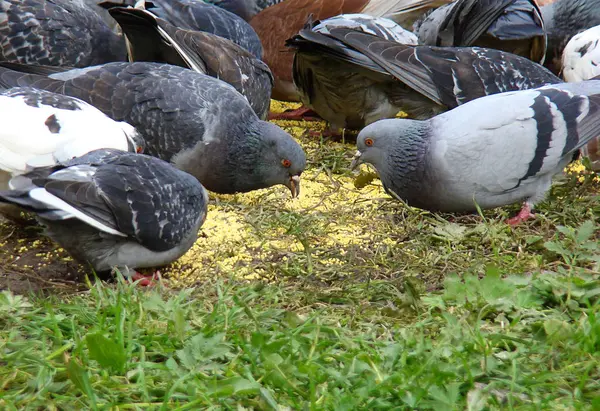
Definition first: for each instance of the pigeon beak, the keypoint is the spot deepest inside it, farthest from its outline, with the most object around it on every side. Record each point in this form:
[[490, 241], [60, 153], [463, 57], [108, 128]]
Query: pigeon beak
[[356, 160], [294, 186]]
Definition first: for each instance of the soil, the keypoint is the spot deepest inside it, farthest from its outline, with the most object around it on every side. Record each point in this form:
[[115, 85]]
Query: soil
[[31, 263]]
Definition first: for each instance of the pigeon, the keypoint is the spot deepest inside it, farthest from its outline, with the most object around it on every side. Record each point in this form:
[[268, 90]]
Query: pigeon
[[153, 39], [246, 9], [581, 61], [199, 16], [200, 124], [492, 151], [353, 76], [56, 33], [275, 24], [408, 12], [515, 26], [563, 20], [115, 210], [103, 13], [581, 56], [41, 129]]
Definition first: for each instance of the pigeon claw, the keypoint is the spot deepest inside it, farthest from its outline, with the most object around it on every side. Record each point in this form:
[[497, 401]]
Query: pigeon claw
[[146, 280], [302, 113], [294, 185], [523, 215]]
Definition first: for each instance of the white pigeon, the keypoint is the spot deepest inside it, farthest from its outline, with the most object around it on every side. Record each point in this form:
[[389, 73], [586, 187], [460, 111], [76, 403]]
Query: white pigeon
[[115, 210], [492, 151], [581, 61], [40, 129], [581, 56]]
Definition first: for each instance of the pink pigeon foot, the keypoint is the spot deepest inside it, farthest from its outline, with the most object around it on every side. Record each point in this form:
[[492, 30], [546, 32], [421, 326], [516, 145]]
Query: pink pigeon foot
[[146, 280], [302, 113], [523, 215]]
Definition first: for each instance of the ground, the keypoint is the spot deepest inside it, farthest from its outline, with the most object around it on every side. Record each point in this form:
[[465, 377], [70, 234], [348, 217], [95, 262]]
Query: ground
[[334, 233], [341, 299]]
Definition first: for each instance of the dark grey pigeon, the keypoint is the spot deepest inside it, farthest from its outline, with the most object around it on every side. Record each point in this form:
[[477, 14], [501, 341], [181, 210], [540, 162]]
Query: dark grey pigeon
[[153, 39], [56, 33], [352, 77], [200, 124], [115, 210], [102, 12], [199, 16], [515, 26], [493, 151], [563, 20], [246, 9]]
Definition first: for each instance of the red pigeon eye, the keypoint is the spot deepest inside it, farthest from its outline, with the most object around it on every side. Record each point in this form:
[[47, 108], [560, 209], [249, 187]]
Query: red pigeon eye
[[369, 142], [139, 149], [286, 163]]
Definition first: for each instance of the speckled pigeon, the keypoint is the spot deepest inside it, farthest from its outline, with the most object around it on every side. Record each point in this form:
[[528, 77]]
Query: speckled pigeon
[[563, 20], [115, 210], [40, 128], [352, 77], [153, 39], [57, 33], [515, 26], [200, 124], [493, 151]]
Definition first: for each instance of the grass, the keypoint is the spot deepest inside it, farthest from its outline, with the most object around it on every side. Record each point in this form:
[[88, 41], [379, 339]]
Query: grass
[[342, 300]]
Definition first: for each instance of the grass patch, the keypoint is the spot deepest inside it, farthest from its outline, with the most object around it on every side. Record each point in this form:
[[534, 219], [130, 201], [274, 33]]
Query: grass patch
[[489, 339]]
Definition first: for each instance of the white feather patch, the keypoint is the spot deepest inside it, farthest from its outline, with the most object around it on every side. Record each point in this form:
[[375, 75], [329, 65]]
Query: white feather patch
[[43, 196]]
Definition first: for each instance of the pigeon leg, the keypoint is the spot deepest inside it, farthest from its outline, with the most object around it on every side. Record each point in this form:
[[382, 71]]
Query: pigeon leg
[[523, 215], [146, 280], [302, 113]]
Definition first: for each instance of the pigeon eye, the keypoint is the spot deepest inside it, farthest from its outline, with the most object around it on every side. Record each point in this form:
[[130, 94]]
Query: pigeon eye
[[139, 149], [369, 142], [286, 163]]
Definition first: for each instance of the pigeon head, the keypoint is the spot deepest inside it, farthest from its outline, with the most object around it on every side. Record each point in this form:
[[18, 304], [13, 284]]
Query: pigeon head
[[395, 147], [254, 156], [280, 160]]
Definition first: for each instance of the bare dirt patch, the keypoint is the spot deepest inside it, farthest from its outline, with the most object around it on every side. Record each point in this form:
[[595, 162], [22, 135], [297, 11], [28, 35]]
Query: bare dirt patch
[[30, 262]]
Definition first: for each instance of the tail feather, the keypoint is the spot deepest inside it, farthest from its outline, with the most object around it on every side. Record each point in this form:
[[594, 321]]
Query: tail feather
[[17, 75]]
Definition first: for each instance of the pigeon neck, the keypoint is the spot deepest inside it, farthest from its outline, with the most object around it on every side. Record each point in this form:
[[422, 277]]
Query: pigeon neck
[[405, 172], [226, 163]]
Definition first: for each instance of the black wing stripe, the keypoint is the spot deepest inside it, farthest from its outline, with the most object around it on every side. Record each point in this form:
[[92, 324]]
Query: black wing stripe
[[542, 115]]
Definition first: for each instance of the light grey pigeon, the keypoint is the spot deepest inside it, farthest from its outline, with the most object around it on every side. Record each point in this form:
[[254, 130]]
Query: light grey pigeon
[[563, 20], [56, 33], [493, 151], [354, 70], [114, 209], [153, 39], [515, 26], [200, 124], [199, 16]]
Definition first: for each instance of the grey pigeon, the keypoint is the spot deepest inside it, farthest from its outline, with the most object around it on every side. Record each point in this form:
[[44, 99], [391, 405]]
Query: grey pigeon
[[515, 26], [563, 20], [246, 9], [56, 33], [493, 151], [115, 210], [200, 124], [352, 77], [153, 39], [199, 16]]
